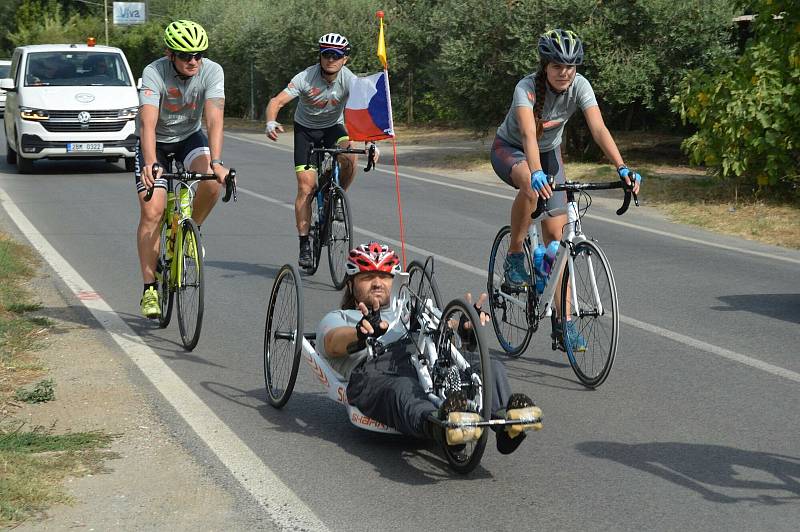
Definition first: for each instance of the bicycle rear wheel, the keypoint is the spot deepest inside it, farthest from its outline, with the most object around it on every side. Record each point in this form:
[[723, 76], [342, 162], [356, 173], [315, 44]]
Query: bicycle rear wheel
[[340, 234], [476, 382], [165, 291], [509, 307], [589, 300], [191, 284], [283, 334]]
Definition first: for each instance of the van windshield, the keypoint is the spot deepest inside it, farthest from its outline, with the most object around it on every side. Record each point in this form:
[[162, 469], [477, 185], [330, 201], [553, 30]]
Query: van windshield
[[4, 71], [76, 69]]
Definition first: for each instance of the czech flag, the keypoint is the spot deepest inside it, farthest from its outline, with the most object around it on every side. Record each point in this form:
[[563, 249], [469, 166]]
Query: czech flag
[[368, 113]]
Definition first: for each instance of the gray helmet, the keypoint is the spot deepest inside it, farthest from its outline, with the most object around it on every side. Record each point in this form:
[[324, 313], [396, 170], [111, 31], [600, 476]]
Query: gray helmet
[[561, 46]]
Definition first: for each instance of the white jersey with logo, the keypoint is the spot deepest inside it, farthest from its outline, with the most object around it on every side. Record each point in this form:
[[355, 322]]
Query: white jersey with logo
[[321, 103], [180, 101]]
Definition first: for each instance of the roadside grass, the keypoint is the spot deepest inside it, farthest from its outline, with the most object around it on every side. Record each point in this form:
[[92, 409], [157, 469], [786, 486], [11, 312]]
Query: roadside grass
[[33, 462]]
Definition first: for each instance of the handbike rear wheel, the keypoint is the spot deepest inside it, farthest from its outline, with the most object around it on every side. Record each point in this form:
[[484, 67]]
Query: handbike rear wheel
[[340, 233], [283, 334], [589, 300], [509, 308], [191, 287], [165, 291], [476, 382]]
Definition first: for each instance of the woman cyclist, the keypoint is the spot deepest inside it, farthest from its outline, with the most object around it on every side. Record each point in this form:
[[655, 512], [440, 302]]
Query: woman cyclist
[[527, 147]]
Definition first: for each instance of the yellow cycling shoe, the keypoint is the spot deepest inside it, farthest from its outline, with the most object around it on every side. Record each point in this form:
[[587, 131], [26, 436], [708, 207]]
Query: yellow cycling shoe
[[149, 304]]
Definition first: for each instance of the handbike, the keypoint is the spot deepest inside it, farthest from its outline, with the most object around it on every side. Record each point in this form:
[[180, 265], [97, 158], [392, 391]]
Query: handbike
[[331, 220], [444, 361], [185, 275], [588, 293]]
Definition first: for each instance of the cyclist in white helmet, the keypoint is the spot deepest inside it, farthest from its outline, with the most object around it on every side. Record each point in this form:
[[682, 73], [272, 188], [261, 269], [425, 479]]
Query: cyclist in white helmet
[[323, 89], [527, 147]]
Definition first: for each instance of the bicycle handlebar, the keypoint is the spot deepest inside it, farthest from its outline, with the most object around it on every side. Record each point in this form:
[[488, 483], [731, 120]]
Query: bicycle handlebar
[[370, 152], [230, 181], [574, 186]]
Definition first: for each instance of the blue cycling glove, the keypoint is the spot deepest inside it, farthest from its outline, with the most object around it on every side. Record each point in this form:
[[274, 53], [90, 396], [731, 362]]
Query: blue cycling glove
[[624, 172], [538, 180]]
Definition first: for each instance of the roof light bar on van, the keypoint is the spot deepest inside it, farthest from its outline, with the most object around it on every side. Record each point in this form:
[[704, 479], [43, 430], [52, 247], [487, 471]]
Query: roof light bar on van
[[33, 114]]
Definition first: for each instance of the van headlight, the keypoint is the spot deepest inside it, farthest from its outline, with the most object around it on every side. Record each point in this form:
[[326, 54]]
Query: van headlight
[[33, 114], [129, 113]]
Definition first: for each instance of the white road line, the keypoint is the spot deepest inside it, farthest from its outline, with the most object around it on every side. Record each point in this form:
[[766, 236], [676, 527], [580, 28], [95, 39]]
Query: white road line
[[614, 221], [279, 501], [666, 333]]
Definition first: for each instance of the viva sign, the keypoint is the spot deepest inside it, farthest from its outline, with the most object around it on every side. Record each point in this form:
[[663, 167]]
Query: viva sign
[[129, 13]]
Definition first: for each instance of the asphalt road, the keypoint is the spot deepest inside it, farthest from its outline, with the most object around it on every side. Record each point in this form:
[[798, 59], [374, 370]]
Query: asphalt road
[[696, 428]]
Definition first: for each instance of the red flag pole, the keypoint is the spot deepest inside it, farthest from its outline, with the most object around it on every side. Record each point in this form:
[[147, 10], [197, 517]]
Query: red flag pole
[[382, 56]]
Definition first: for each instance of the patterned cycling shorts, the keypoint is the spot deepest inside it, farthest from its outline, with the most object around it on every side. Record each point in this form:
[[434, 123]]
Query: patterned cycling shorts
[[506, 156]]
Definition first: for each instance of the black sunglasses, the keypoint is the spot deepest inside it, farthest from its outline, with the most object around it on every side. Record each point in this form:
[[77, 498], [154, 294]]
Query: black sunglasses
[[187, 56], [332, 55]]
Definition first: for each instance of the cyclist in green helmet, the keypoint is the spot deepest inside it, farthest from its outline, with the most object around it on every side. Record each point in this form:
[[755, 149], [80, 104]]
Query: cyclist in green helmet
[[527, 147], [176, 91]]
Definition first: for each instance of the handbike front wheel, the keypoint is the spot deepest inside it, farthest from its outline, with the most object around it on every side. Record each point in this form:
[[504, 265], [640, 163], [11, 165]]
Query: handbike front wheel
[[283, 336], [422, 282], [163, 270], [340, 234], [190, 287], [460, 342], [589, 301], [509, 307]]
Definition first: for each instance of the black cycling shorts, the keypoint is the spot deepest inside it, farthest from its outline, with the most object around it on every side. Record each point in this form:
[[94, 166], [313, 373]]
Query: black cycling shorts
[[186, 151], [304, 137]]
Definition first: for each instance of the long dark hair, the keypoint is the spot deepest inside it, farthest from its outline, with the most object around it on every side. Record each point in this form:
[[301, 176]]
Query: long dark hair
[[541, 93], [348, 297]]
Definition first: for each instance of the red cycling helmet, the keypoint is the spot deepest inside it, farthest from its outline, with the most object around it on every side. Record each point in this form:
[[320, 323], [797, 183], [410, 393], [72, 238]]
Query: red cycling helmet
[[372, 257]]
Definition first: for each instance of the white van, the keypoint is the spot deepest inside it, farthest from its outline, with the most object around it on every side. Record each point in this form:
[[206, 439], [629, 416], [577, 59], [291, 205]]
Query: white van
[[67, 101]]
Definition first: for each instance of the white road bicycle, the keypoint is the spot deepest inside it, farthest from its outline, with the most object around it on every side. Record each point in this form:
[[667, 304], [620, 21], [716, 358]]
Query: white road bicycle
[[586, 289], [443, 359]]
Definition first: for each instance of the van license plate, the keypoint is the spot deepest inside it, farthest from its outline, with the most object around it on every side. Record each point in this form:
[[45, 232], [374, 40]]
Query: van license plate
[[84, 146]]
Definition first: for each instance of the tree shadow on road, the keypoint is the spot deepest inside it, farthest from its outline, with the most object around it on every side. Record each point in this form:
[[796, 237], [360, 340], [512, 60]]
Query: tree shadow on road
[[232, 269], [398, 458], [784, 307], [772, 479]]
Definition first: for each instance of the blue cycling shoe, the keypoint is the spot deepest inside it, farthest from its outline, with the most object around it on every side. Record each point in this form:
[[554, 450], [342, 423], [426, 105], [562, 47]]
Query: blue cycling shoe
[[514, 270]]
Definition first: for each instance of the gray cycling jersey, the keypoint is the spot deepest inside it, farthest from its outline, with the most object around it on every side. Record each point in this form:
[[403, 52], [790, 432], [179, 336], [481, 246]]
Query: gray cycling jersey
[[321, 103], [350, 318], [180, 102], [557, 110]]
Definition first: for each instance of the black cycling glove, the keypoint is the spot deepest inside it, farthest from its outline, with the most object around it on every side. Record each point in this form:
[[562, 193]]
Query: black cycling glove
[[374, 319]]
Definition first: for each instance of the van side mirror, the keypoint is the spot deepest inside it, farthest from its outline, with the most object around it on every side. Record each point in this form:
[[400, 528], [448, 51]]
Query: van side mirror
[[7, 84], [138, 83]]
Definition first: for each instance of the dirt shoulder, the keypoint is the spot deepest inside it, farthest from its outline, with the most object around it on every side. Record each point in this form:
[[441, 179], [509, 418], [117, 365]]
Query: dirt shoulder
[[153, 482]]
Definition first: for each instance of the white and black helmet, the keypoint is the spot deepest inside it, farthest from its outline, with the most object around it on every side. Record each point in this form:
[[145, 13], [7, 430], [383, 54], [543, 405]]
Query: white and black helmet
[[333, 42]]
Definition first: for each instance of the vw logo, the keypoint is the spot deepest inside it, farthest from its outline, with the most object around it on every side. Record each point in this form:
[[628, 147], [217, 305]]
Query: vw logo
[[84, 97], [84, 117]]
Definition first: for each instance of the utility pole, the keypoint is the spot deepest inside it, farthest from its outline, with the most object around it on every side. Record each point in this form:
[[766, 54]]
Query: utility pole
[[105, 16]]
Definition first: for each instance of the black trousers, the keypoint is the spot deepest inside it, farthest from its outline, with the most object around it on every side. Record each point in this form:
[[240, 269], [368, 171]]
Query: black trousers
[[387, 390]]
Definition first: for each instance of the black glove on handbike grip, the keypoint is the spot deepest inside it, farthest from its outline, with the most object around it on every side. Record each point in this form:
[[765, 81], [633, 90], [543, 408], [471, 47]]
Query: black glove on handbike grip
[[230, 186]]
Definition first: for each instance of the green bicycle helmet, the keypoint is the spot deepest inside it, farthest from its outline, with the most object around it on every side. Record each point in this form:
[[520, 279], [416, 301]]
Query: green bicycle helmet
[[561, 46], [185, 36]]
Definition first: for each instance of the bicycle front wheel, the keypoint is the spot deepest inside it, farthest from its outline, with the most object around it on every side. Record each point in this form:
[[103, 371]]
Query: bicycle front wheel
[[315, 235], [340, 232], [509, 307], [283, 336], [460, 338], [589, 301], [190, 284], [165, 291]]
